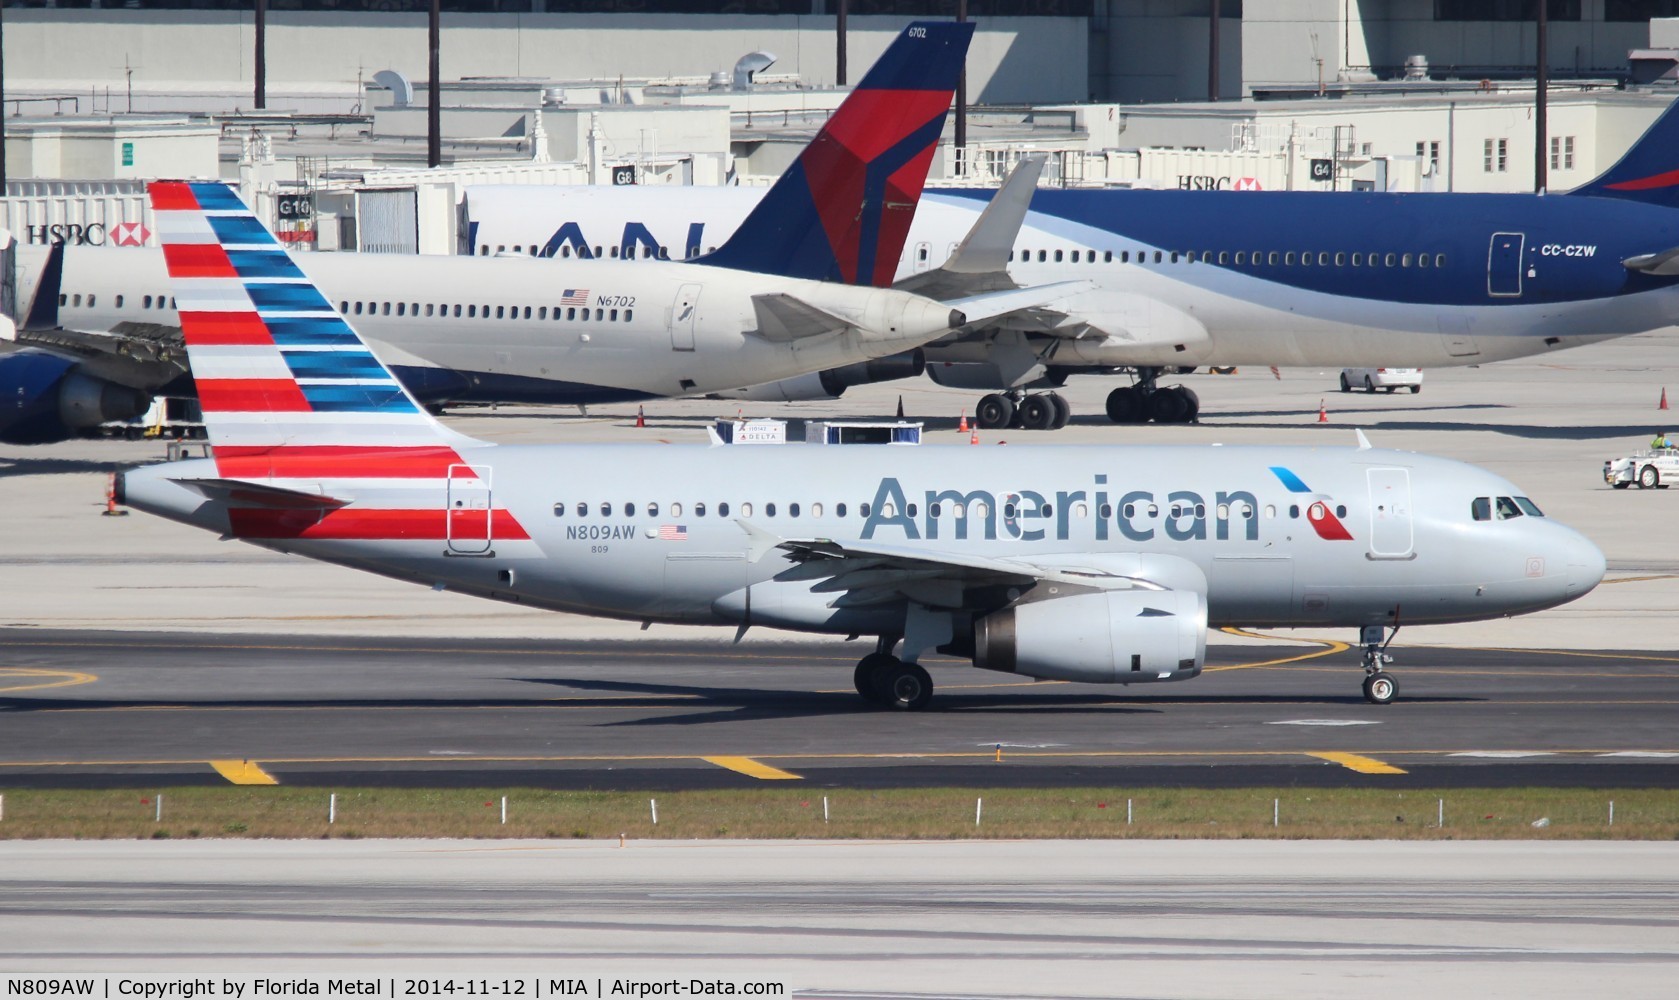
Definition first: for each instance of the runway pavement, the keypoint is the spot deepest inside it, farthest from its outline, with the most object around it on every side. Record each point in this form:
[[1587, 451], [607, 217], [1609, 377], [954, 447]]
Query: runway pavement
[[1115, 919], [381, 681], [97, 710]]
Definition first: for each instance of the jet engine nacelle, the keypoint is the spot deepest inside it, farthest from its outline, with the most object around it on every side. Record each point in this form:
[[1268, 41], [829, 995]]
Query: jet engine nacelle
[[44, 398], [832, 383], [1106, 637]]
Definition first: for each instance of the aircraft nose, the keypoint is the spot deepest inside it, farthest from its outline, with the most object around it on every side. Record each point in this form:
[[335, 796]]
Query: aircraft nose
[[1586, 566]]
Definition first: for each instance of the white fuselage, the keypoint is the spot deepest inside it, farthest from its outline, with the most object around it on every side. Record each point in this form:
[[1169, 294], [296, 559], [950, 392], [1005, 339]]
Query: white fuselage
[[509, 329], [659, 534]]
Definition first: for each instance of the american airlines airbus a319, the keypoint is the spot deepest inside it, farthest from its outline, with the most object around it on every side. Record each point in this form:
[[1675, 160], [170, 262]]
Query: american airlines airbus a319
[[1093, 564]]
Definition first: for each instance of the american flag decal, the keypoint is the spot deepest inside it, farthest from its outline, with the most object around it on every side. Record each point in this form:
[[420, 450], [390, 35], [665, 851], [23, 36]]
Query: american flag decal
[[673, 532], [575, 297]]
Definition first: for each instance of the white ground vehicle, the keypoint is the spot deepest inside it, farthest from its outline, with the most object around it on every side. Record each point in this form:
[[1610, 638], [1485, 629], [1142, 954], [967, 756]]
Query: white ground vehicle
[[1371, 379], [1649, 469], [167, 417]]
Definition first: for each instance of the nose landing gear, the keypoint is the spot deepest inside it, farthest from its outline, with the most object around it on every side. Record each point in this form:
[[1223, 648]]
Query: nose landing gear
[[1380, 688]]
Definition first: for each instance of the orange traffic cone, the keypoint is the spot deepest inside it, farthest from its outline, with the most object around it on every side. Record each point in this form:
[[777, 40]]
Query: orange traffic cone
[[1663, 404], [962, 425], [640, 417], [111, 509], [973, 436], [1323, 413]]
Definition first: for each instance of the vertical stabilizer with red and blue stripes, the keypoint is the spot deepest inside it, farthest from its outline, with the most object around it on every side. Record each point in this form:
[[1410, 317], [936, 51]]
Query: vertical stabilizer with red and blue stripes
[[842, 211], [1649, 171], [294, 401]]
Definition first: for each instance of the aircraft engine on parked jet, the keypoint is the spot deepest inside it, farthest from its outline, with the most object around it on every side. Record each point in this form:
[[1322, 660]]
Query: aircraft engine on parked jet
[[46, 398], [1101, 637], [832, 383]]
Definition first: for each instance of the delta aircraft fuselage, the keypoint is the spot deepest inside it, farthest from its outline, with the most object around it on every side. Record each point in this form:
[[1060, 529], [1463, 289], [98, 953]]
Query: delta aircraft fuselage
[[1190, 277]]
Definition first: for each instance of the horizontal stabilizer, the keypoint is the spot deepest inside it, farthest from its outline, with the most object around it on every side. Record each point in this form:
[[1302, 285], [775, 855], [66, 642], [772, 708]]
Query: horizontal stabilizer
[[981, 262], [241, 493], [1664, 264], [783, 318]]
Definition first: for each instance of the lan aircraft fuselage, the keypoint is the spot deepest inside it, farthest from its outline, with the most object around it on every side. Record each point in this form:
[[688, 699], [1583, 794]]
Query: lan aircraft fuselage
[[1078, 563], [1187, 278]]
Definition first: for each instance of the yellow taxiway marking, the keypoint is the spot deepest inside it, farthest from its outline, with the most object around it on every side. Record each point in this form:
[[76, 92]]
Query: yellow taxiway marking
[[1331, 646], [986, 755], [1363, 765], [243, 772], [54, 678], [753, 768]]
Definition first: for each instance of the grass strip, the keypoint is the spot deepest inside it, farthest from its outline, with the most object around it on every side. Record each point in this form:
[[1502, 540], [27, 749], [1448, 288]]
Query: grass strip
[[781, 813]]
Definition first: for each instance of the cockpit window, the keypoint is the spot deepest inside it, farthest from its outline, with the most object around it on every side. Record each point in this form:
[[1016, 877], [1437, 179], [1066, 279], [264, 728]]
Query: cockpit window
[[1507, 508], [1529, 507], [1480, 508]]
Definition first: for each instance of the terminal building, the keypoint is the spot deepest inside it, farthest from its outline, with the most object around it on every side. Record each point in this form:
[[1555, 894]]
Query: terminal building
[[1328, 95]]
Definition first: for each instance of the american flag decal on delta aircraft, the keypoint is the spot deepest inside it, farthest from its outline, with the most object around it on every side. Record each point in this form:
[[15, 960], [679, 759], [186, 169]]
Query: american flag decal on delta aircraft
[[313, 436]]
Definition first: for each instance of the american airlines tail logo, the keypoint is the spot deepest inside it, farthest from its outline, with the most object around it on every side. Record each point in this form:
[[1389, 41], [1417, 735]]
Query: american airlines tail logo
[[1318, 513]]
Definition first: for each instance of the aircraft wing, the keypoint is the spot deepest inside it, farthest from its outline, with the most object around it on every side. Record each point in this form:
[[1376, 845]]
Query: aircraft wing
[[1664, 264], [981, 261], [866, 573]]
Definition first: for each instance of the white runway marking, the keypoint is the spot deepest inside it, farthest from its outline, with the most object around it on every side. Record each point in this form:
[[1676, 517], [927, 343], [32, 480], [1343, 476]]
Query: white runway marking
[[1324, 722]]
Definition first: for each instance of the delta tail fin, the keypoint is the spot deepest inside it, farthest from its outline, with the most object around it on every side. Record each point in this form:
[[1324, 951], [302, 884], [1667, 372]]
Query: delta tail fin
[[1649, 172], [842, 211], [289, 390]]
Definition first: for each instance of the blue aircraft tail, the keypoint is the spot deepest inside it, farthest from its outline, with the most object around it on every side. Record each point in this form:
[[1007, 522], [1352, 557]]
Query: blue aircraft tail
[[1649, 172], [842, 211]]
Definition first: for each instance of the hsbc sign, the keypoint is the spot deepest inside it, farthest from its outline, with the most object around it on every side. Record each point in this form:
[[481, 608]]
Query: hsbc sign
[[72, 233]]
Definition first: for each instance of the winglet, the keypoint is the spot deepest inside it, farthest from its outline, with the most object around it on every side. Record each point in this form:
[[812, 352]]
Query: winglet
[[981, 262], [43, 308], [842, 211], [1363, 442], [990, 243]]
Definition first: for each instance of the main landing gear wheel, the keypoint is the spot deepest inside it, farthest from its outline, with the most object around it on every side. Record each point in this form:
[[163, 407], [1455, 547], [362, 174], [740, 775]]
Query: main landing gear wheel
[[1380, 688], [1125, 406], [1174, 405], [1038, 412], [870, 676], [1063, 411], [907, 688], [994, 411]]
